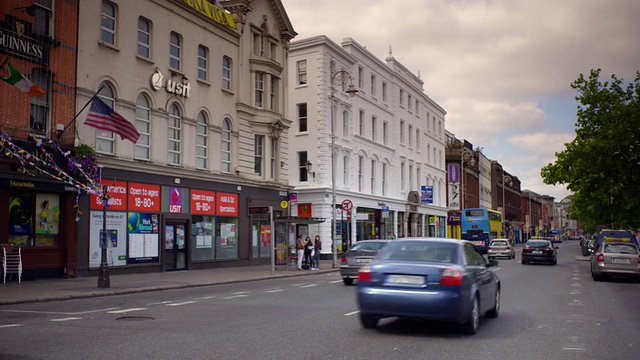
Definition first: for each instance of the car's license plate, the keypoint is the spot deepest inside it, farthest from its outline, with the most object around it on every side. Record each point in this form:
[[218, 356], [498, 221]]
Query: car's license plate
[[620, 261], [406, 279], [363, 261], [478, 243], [536, 252]]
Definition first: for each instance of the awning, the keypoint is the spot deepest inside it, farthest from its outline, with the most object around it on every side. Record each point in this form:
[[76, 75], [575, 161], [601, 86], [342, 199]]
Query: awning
[[299, 220]]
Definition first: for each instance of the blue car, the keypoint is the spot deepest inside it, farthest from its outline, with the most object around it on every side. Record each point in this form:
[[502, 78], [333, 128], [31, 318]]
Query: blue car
[[429, 278]]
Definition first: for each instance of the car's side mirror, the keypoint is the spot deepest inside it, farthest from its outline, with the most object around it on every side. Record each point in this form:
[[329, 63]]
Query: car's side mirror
[[493, 263]]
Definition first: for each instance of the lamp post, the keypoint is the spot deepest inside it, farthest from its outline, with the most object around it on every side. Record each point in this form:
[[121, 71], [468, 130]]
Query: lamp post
[[464, 153], [103, 274], [342, 76], [505, 179]]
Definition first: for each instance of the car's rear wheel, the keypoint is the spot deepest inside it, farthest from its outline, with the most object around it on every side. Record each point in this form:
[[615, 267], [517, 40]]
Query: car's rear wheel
[[347, 281], [555, 261], [598, 277], [470, 327], [493, 313], [368, 321]]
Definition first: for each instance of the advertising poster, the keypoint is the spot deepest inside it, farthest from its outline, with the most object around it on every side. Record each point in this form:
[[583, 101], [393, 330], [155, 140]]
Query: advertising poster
[[47, 214], [144, 238], [20, 216], [117, 235], [228, 234], [265, 235]]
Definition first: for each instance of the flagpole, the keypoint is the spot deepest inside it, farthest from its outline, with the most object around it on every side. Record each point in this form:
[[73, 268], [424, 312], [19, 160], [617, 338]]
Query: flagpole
[[59, 134], [4, 62]]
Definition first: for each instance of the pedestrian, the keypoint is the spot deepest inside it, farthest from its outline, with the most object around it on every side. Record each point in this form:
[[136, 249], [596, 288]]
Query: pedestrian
[[308, 247], [315, 258], [300, 251]]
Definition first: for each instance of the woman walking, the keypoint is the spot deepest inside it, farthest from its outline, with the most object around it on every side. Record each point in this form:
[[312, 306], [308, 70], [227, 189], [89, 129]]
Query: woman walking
[[315, 260], [300, 251]]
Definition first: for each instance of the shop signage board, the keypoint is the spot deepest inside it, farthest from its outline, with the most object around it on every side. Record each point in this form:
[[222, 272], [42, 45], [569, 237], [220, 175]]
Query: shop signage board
[[117, 191], [227, 204], [144, 197], [203, 202]]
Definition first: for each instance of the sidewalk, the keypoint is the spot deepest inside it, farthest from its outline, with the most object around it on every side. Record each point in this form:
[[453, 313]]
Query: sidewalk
[[85, 287]]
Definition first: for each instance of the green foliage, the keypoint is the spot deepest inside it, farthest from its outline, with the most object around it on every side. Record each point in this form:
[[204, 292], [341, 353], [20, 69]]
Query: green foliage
[[601, 166]]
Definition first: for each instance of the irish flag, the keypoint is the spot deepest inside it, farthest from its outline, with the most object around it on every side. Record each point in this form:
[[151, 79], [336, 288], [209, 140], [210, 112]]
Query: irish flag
[[20, 81]]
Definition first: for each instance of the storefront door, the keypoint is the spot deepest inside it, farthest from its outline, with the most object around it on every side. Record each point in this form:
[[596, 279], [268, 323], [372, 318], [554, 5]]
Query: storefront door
[[175, 245]]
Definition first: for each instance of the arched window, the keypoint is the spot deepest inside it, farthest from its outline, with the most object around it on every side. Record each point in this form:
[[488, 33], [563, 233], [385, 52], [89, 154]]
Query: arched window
[[143, 124], [201, 141], [174, 135], [105, 139], [226, 147]]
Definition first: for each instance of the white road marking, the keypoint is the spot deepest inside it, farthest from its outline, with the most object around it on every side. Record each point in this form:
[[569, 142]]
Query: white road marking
[[574, 292], [335, 281], [58, 312], [498, 268], [241, 292], [67, 319], [308, 285], [234, 297], [10, 325], [182, 303], [352, 313], [124, 311], [207, 297], [568, 348], [159, 303], [575, 278], [273, 291], [576, 284]]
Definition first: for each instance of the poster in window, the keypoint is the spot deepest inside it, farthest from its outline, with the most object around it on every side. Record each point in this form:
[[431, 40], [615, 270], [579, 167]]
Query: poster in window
[[265, 235], [228, 234], [47, 214], [116, 224], [20, 214], [144, 238]]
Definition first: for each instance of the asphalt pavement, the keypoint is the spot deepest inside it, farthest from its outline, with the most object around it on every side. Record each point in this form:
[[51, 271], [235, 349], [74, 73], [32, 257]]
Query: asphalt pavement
[[14, 292]]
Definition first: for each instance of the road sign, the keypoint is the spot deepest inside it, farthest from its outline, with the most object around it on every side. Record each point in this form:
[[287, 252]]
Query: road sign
[[385, 212], [347, 204]]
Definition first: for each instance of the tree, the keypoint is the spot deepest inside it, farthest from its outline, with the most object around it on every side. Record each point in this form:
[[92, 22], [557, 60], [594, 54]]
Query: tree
[[601, 166]]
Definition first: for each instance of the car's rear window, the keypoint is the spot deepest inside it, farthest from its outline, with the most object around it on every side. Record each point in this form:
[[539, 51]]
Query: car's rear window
[[537, 243], [368, 246], [431, 251], [498, 243], [620, 248]]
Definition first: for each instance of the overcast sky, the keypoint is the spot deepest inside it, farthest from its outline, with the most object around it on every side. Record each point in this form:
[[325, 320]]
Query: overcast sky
[[502, 69]]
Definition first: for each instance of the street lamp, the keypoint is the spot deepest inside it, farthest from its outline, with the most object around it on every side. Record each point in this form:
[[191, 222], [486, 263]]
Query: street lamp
[[342, 76], [505, 179], [466, 155]]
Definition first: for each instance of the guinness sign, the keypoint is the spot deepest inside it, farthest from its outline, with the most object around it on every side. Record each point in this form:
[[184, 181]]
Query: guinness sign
[[17, 40]]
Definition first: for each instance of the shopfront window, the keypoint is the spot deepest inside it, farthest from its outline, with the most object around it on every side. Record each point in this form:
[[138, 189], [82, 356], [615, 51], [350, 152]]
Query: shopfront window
[[226, 238], [202, 238], [34, 219]]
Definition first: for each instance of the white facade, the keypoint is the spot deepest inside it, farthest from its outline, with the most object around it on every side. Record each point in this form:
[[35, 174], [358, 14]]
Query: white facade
[[485, 181], [389, 141]]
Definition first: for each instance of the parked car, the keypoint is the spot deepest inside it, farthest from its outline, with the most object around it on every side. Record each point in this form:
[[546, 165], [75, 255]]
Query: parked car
[[587, 247], [361, 253], [613, 235], [501, 248], [614, 258], [429, 278], [539, 250]]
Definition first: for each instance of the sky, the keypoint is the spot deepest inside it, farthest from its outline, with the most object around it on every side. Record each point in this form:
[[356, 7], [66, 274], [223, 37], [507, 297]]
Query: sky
[[502, 69]]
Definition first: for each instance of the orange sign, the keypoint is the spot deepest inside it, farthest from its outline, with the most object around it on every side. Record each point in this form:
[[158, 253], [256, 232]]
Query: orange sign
[[227, 204], [144, 197], [117, 191], [202, 202], [304, 210]]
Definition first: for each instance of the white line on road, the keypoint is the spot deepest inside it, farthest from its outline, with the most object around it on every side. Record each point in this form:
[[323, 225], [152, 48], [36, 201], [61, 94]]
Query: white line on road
[[241, 292], [273, 291], [308, 285], [10, 325], [182, 303], [498, 268], [567, 348], [123, 311], [234, 297], [335, 281], [159, 303], [207, 297], [59, 313], [352, 313], [67, 319]]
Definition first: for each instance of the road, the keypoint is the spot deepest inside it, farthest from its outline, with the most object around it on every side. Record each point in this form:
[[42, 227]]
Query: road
[[548, 312]]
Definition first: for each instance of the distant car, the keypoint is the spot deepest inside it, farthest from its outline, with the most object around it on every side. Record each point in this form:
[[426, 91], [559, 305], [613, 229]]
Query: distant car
[[361, 253], [429, 278], [587, 247], [501, 248], [615, 258], [538, 250]]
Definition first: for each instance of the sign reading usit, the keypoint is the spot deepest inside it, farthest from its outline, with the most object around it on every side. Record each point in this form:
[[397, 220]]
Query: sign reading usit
[[144, 197], [117, 191]]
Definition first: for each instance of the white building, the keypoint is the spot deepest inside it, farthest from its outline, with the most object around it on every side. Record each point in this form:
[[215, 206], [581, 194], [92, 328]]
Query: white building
[[389, 144]]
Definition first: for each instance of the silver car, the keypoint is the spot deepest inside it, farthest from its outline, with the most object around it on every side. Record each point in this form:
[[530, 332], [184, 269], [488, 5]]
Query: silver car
[[360, 254], [615, 259], [501, 248]]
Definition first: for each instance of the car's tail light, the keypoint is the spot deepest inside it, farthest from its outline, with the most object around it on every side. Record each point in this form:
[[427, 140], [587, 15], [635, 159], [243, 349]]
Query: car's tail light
[[638, 259], [364, 274], [343, 259], [450, 277], [548, 250], [600, 258], [489, 247], [508, 248]]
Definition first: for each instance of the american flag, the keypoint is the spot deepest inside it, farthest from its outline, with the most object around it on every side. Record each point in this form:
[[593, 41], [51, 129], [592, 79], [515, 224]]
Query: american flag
[[102, 117]]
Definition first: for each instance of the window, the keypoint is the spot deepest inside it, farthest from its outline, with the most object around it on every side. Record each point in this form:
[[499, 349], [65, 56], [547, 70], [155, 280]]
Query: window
[[410, 132], [108, 27], [258, 44], [105, 139], [360, 77], [345, 170], [418, 175], [410, 177], [144, 38], [402, 176], [360, 172], [226, 73], [273, 94], [401, 97], [302, 166], [373, 177], [373, 85], [39, 116], [273, 51], [33, 218], [361, 124], [273, 157], [174, 51], [345, 123], [259, 88], [258, 154], [42, 24], [401, 131], [226, 147], [385, 133], [417, 107], [384, 92], [175, 129], [301, 69], [418, 139], [374, 120], [409, 102], [302, 117], [439, 128], [202, 141], [384, 179], [143, 124], [202, 62]]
